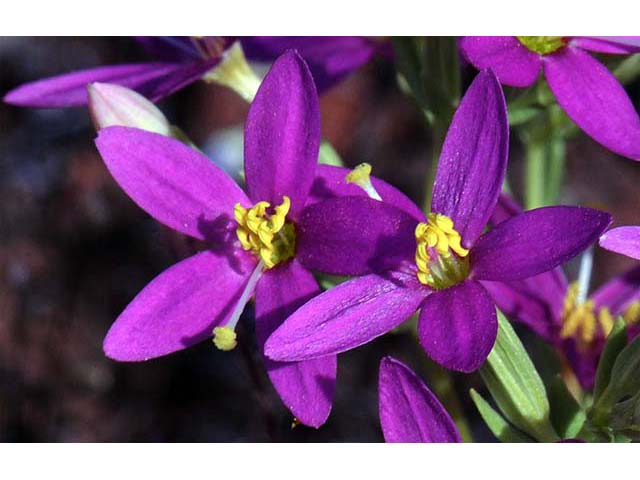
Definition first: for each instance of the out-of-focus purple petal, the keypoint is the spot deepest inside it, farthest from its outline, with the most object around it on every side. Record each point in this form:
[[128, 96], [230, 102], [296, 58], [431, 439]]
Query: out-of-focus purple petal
[[347, 316], [153, 80], [622, 240], [306, 388], [170, 49], [613, 45], [583, 363], [173, 183], [409, 412], [473, 161], [594, 99], [330, 58], [536, 301], [512, 62], [535, 241], [180, 307], [282, 135], [330, 182], [354, 236], [505, 209], [618, 292], [458, 326]]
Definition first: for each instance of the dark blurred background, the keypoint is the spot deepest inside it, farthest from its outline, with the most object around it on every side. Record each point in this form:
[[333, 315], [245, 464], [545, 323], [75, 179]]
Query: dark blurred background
[[74, 250]]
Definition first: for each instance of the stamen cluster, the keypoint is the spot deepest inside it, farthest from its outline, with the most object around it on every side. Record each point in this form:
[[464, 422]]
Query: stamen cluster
[[437, 242], [269, 236]]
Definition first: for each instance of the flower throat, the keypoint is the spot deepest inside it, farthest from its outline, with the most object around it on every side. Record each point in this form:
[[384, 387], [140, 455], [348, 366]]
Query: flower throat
[[269, 236], [442, 262], [542, 45]]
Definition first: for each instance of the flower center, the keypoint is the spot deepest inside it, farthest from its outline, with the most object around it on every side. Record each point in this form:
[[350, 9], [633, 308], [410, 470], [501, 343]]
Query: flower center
[[582, 322], [267, 235], [442, 262], [542, 45]]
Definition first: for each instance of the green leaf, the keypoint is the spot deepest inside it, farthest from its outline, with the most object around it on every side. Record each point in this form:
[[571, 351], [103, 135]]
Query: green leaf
[[516, 386], [496, 423], [616, 341], [518, 116], [624, 382], [328, 155], [567, 416]]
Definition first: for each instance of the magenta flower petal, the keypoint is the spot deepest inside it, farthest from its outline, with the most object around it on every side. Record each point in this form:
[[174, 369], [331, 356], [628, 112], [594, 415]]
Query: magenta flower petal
[[458, 326], [282, 135], [330, 59], [473, 161], [173, 183], [511, 61], [153, 80], [306, 388], [180, 307], [618, 292], [535, 241], [535, 302], [409, 412], [330, 182], [505, 209], [347, 316], [623, 240], [354, 236], [595, 100], [612, 45]]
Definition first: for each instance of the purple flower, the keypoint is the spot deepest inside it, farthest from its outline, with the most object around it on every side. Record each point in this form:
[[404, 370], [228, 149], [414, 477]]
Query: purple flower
[[409, 412], [432, 264], [252, 237], [185, 60], [623, 240], [584, 88], [575, 324]]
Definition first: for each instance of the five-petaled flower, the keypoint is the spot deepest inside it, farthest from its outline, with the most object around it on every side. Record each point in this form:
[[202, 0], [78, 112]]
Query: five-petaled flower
[[576, 324], [182, 61], [433, 264], [590, 94], [253, 241], [409, 411]]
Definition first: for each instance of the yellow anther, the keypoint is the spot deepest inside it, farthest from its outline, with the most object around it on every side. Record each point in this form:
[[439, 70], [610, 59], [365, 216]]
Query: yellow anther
[[439, 235], [270, 237], [361, 176], [605, 319], [224, 338], [582, 321], [542, 45], [632, 314]]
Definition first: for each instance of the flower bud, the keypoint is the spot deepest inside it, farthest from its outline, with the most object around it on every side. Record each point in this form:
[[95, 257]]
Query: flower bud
[[111, 105]]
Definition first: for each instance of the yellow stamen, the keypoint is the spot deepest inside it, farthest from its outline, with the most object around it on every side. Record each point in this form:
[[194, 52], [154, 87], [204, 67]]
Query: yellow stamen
[[439, 235], [270, 237], [582, 321], [542, 45], [361, 176], [632, 315], [224, 338]]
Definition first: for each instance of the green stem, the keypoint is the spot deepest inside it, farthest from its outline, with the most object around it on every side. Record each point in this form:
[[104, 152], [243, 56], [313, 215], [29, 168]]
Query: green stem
[[555, 168], [439, 132], [534, 193]]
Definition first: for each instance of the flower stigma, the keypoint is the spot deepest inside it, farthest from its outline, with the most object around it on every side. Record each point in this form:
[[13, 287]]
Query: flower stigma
[[442, 262], [582, 321], [267, 235], [224, 337], [542, 45], [361, 176]]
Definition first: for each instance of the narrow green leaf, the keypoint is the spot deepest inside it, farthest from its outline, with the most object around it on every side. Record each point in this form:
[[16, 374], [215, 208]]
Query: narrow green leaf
[[516, 386], [567, 416], [616, 341], [496, 423]]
